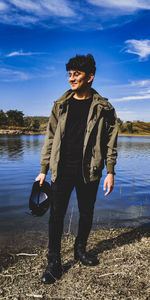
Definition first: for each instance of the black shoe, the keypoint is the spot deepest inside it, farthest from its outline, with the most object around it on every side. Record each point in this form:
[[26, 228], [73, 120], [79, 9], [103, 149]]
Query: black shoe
[[81, 255], [53, 270]]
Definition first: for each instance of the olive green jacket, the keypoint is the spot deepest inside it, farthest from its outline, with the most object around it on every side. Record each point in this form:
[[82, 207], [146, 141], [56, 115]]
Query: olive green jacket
[[100, 138]]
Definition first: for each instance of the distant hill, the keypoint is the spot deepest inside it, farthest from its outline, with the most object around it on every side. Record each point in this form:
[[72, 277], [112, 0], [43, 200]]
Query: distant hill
[[42, 121], [14, 122], [24, 125], [135, 128]]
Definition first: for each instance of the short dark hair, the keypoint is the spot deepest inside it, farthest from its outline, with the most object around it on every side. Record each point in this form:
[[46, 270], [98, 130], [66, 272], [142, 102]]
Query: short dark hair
[[84, 63]]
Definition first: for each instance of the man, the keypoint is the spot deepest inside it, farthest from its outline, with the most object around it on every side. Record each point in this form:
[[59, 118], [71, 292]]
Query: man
[[81, 135]]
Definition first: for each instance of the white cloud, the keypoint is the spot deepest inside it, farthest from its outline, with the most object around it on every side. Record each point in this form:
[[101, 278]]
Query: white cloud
[[18, 19], [58, 8], [28, 12], [69, 13], [127, 115], [134, 90], [27, 5], [140, 83], [51, 13], [7, 75], [14, 75], [124, 6], [3, 6], [132, 115], [130, 98], [21, 53], [44, 7], [139, 47]]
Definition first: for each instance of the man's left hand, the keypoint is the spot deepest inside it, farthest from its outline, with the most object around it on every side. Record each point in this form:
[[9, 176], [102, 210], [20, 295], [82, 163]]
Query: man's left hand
[[109, 183]]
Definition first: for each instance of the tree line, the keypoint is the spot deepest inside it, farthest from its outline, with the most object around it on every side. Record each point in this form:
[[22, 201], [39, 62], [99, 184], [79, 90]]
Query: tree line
[[16, 118], [125, 126]]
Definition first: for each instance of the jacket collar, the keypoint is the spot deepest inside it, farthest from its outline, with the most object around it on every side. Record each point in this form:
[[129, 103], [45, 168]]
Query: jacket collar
[[97, 98]]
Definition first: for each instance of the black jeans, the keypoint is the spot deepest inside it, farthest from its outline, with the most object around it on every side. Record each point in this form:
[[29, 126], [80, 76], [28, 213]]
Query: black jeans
[[86, 195]]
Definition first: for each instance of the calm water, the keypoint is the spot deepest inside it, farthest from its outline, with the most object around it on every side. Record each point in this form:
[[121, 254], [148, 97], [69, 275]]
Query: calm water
[[129, 203]]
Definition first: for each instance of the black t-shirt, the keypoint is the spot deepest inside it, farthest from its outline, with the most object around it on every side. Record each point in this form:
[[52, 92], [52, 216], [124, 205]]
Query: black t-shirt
[[72, 145]]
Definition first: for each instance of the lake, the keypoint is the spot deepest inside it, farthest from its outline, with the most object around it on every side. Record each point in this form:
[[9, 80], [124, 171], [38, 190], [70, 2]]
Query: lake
[[127, 205]]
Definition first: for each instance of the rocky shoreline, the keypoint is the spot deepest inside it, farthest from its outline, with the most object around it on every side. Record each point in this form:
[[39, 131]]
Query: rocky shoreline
[[123, 272], [19, 132], [27, 132]]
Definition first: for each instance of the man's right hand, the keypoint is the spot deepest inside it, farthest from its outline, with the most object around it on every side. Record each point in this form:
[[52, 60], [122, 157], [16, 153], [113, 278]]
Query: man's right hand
[[41, 177]]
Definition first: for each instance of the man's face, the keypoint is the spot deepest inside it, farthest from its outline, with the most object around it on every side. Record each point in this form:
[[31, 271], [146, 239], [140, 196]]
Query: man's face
[[78, 80]]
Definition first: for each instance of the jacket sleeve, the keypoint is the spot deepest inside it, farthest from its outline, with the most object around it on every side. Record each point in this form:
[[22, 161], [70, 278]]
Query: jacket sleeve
[[48, 142], [111, 140]]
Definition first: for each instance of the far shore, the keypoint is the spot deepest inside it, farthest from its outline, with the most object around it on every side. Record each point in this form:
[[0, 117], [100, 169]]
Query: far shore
[[133, 134], [26, 132], [19, 132]]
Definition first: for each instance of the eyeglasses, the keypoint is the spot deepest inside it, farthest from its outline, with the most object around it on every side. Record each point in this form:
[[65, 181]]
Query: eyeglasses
[[75, 74]]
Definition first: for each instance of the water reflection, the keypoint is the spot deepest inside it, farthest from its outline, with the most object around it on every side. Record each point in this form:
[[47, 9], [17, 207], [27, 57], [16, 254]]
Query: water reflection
[[129, 203], [11, 148], [14, 147], [138, 146]]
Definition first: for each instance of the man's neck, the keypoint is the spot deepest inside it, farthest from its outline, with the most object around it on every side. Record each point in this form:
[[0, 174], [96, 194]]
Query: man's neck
[[83, 94]]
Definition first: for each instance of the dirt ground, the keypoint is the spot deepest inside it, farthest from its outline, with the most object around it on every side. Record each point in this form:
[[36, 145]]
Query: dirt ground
[[123, 272]]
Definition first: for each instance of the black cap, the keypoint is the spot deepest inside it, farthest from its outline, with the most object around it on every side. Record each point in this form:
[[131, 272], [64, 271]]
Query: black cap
[[40, 198]]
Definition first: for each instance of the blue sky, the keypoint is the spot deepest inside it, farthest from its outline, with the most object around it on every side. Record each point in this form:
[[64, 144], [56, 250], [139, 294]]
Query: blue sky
[[37, 38]]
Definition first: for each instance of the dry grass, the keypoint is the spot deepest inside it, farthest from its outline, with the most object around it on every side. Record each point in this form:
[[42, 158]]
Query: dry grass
[[123, 272], [139, 128]]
